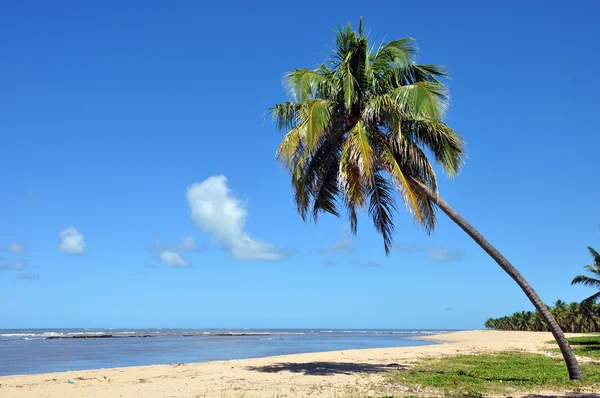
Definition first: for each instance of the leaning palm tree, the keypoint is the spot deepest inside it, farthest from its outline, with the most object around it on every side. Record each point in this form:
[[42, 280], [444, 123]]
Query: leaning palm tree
[[359, 127], [593, 281]]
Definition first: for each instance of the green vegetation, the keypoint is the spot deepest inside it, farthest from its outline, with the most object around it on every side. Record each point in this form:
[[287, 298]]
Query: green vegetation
[[358, 132], [594, 280], [573, 318], [588, 346], [493, 373]]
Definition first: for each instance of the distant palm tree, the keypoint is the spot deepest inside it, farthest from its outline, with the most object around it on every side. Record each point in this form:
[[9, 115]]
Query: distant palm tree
[[593, 281], [360, 125], [573, 318]]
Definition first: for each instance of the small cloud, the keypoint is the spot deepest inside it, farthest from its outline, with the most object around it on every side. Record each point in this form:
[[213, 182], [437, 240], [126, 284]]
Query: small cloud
[[355, 261], [223, 216], [371, 264], [407, 247], [72, 241], [329, 262], [172, 259], [188, 244], [346, 245], [29, 277], [444, 255], [12, 266], [14, 248]]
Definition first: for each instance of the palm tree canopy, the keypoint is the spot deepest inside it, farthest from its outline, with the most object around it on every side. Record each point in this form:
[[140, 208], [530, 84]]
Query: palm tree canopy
[[359, 127], [590, 281]]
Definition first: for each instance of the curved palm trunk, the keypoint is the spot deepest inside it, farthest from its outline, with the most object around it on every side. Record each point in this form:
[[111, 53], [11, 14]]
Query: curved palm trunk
[[575, 372]]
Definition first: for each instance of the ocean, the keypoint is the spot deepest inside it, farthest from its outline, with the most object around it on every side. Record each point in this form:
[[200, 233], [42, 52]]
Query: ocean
[[28, 351]]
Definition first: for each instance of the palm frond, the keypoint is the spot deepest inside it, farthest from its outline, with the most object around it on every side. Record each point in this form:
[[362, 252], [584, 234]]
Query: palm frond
[[302, 83], [397, 53], [592, 299], [404, 187], [383, 107], [381, 208], [596, 256], [316, 114], [319, 180], [288, 148], [357, 149], [427, 100], [446, 144], [586, 281], [412, 160], [285, 115]]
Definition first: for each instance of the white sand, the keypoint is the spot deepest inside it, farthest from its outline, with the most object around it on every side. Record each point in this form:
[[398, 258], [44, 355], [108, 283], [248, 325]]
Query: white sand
[[323, 374]]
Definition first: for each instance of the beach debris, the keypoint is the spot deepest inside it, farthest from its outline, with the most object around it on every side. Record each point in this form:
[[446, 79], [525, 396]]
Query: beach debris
[[70, 382]]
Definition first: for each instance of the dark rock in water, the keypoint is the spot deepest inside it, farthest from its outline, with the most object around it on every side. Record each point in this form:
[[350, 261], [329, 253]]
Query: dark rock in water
[[189, 335], [94, 336], [241, 334]]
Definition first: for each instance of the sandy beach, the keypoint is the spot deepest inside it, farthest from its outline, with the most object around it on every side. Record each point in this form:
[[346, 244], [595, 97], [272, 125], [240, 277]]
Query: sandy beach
[[323, 374]]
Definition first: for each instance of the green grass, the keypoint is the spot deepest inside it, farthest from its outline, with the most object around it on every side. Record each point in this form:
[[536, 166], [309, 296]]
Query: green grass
[[500, 372], [587, 346]]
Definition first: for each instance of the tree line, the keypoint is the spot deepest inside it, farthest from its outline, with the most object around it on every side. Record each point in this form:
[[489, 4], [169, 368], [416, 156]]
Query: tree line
[[572, 318], [576, 317]]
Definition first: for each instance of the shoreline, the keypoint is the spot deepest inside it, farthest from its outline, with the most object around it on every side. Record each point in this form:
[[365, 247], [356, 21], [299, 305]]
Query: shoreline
[[323, 374]]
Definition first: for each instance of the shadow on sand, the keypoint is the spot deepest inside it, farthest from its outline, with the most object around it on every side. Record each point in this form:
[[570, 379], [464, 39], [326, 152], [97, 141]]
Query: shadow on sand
[[566, 395], [327, 368]]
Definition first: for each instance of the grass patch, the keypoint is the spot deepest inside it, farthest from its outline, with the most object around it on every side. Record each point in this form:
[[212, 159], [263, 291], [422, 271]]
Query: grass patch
[[587, 346], [474, 375]]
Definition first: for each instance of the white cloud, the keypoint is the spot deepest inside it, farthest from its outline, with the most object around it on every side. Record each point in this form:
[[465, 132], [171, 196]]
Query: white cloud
[[188, 244], [444, 255], [172, 259], [371, 264], [14, 248], [407, 247], [27, 276], [219, 213], [72, 241], [17, 265], [346, 245]]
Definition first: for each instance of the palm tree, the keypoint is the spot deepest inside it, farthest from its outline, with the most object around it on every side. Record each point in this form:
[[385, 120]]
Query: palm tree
[[590, 281], [574, 318], [359, 127]]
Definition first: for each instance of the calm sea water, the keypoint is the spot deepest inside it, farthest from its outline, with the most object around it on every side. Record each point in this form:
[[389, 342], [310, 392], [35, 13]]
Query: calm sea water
[[28, 351]]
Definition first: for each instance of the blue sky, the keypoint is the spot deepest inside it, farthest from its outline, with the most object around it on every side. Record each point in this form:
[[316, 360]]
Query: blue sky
[[121, 122]]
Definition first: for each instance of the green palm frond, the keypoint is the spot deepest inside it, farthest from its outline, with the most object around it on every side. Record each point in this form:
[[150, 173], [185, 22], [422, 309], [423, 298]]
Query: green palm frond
[[285, 115], [592, 299], [316, 115], [359, 151], [287, 150], [595, 255], [445, 144], [359, 128], [381, 209], [418, 100], [586, 281], [397, 53], [408, 194]]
